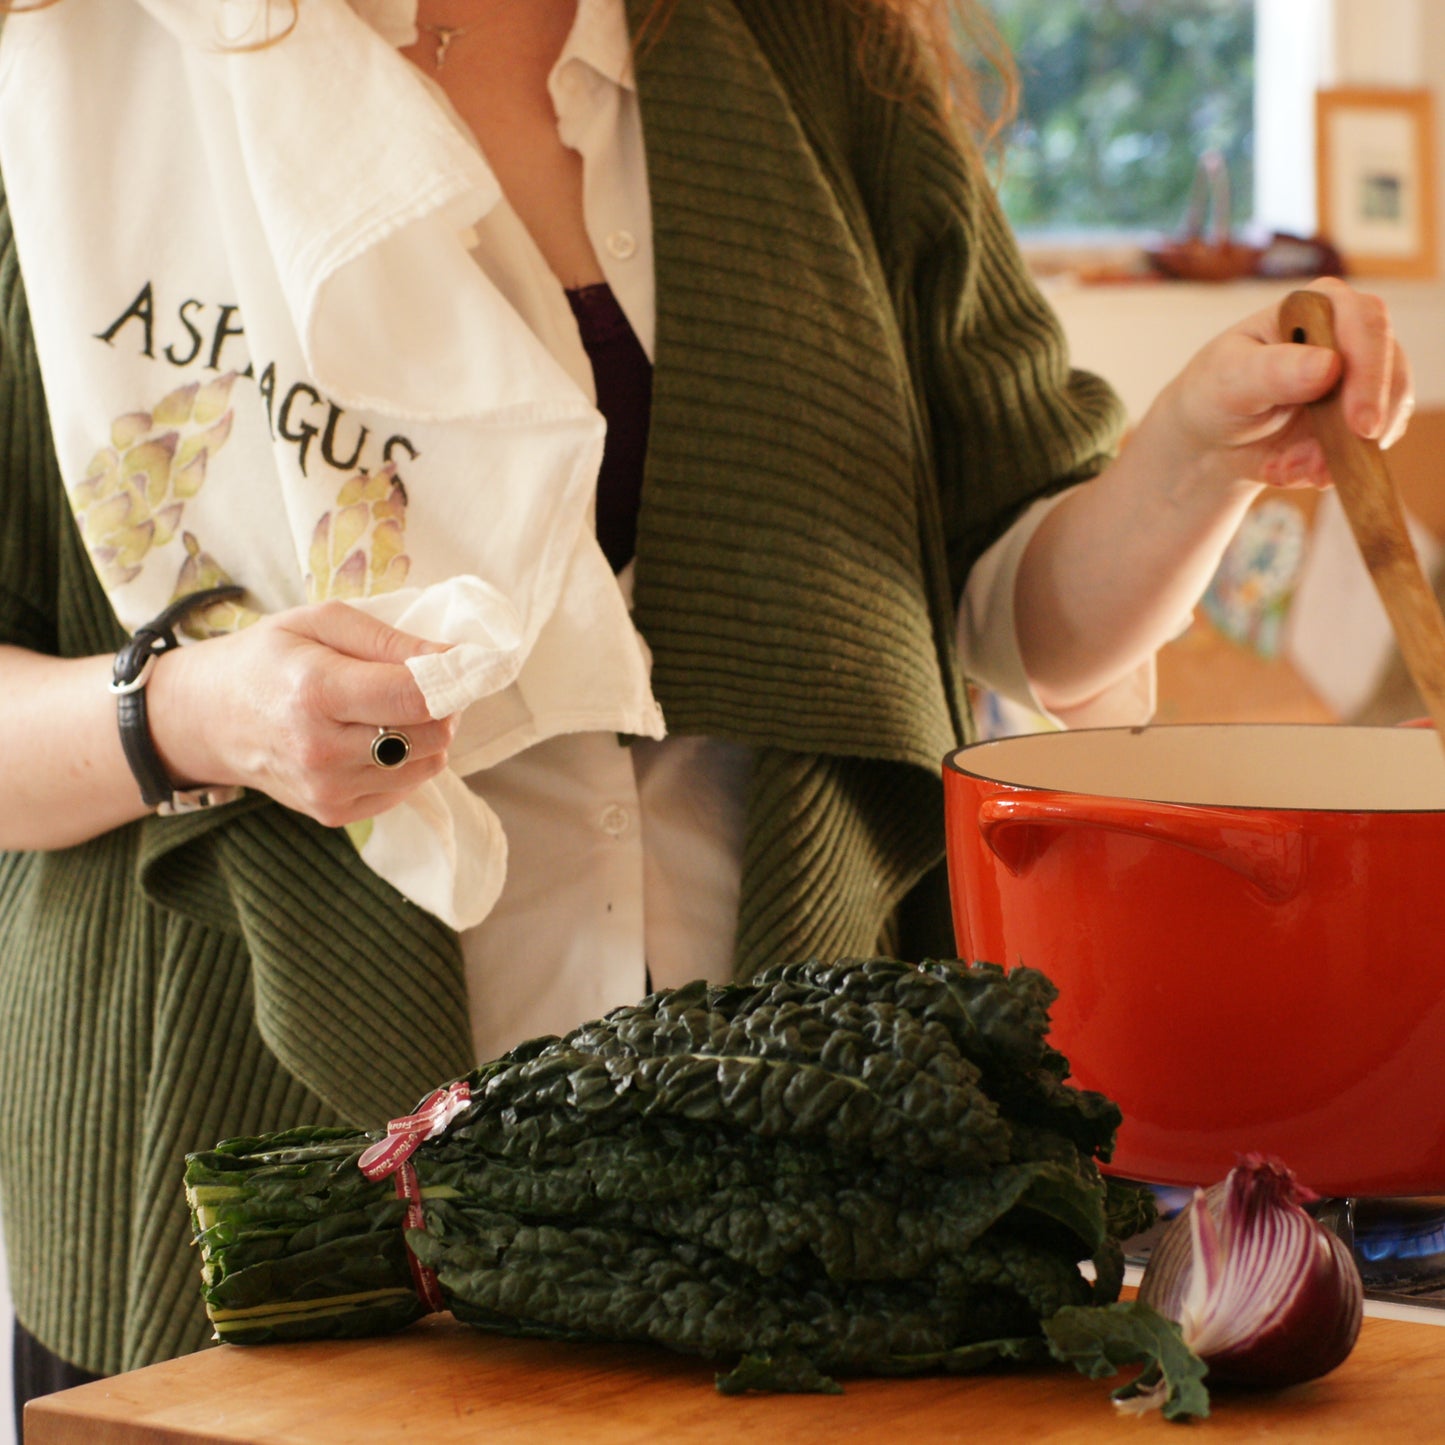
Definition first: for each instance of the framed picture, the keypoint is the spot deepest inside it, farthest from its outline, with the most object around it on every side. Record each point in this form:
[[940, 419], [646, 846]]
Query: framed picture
[[1374, 155]]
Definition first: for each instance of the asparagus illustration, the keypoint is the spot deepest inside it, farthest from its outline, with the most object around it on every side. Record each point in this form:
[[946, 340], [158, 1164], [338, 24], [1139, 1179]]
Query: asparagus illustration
[[358, 547], [134, 491]]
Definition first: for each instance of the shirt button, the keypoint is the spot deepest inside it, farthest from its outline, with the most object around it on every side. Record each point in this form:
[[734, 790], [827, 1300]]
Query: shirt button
[[614, 821], [622, 244]]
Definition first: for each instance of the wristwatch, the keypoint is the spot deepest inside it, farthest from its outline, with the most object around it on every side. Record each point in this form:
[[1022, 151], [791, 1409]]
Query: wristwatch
[[132, 670]]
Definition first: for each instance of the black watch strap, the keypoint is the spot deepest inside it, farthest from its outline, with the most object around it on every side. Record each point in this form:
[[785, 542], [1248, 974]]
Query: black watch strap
[[128, 680]]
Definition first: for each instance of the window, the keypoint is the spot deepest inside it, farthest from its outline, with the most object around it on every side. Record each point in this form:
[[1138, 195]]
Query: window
[[1121, 97]]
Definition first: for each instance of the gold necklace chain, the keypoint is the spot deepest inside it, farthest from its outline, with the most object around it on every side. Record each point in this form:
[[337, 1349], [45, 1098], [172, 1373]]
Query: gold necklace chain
[[442, 37]]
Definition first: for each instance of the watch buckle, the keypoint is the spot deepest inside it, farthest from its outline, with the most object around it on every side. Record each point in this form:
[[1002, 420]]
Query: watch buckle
[[194, 800]]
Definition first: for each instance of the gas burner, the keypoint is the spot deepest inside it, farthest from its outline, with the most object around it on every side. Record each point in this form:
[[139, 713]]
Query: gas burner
[[1399, 1245], [1170, 1199]]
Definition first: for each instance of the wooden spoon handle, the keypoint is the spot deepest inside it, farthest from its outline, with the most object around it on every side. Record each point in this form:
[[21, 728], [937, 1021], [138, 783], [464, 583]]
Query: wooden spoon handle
[[1372, 505]]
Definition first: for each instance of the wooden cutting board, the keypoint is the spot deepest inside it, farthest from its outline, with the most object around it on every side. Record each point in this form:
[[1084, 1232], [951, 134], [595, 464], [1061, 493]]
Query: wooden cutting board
[[440, 1383]]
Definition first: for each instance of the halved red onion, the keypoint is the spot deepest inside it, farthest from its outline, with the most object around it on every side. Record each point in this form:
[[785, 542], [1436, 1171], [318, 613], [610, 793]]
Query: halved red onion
[[1263, 1293]]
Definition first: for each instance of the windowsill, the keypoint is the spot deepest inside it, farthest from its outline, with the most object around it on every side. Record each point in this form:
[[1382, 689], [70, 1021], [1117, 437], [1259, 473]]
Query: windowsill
[[1095, 258], [1088, 262]]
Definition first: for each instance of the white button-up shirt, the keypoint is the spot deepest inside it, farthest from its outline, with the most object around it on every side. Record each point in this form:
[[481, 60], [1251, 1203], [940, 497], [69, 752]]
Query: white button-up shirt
[[625, 859]]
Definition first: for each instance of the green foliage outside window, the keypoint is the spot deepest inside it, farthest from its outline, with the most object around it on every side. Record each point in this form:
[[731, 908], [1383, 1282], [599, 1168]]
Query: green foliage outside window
[[1120, 98]]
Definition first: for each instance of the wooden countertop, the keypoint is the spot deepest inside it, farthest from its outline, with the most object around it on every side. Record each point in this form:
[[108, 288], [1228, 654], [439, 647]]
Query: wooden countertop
[[440, 1383]]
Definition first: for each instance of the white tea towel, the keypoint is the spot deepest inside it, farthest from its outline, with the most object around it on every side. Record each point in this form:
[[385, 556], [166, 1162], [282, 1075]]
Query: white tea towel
[[270, 358]]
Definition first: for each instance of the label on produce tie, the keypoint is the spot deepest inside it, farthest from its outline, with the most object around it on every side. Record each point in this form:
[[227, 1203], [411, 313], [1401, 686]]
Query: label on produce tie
[[405, 1135]]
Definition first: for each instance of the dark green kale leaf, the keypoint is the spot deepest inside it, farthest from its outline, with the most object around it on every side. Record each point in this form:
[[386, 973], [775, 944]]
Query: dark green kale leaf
[[1099, 1340], [784, 1373]]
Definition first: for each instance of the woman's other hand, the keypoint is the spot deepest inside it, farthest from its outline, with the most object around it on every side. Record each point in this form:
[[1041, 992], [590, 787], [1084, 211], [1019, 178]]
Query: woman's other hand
[[1240, 400], [291, 705], [1115, 569]]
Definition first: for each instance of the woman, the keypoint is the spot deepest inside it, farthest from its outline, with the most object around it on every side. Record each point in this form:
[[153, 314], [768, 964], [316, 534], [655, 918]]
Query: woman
[[297, 333]]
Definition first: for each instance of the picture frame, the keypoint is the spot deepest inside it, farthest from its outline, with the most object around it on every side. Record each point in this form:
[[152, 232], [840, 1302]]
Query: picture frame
[[1375, 177]]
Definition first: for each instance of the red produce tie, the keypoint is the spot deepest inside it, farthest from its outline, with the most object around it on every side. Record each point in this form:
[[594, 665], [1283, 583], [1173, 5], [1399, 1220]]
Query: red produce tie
[[392, 1155]]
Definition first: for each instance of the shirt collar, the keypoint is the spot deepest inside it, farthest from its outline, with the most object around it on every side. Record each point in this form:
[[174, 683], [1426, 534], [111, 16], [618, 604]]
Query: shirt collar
[[393, 20], [600, 39]]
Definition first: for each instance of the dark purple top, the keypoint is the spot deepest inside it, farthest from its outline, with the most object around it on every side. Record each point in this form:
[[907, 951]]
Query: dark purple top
[[623, 377]]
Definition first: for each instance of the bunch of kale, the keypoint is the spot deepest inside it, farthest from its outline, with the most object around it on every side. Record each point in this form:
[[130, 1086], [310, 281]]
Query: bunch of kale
[[861, 1166]]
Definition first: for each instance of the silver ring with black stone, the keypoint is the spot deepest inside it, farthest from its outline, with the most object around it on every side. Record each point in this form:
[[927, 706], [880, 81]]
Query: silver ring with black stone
[[390, 748]]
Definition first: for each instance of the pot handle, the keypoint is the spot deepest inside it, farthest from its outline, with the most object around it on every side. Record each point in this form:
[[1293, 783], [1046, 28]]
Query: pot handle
[[1260, 846]]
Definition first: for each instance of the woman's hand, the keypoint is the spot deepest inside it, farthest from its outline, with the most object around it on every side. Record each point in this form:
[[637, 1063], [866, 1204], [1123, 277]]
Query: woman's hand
[[1115, 569], [1238, 404], [290, 706]]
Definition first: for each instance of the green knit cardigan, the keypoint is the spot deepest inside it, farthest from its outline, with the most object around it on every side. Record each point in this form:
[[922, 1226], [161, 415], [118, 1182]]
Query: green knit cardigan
[[856, 390]]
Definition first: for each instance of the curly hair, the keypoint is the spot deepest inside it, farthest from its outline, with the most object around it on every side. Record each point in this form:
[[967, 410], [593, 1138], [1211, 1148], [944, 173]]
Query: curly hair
[[963, 52]]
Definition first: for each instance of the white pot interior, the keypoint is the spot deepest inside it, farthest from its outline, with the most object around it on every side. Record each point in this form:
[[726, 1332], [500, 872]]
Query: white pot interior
[[1228, 765]]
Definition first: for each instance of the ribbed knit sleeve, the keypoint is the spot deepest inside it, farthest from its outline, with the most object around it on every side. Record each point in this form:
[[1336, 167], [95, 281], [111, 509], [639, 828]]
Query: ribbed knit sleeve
[[50, 598], [29, 486], [1007, 418]]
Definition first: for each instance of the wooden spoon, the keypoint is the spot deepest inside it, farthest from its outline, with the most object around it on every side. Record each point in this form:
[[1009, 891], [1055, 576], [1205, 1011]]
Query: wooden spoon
[[1372, 505]]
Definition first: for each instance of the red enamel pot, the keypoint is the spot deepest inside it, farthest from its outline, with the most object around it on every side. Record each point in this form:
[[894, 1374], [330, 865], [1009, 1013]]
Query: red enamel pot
[[1246, 925]]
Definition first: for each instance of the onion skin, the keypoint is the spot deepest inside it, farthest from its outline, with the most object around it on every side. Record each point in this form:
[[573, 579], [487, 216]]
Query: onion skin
[[1288, 1327]]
